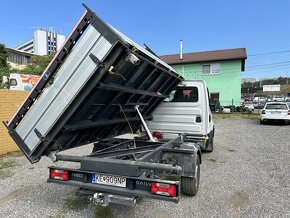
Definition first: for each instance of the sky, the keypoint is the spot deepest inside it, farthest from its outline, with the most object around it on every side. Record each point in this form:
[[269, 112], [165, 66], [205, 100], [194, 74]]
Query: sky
[[262, 27]]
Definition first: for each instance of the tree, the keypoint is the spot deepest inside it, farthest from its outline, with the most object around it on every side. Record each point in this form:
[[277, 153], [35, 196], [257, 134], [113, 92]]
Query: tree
[[3, 56], [38, 65], [4, 67]]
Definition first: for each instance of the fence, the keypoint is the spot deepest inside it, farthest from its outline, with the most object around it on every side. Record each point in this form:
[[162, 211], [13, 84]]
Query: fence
[[10, 100]]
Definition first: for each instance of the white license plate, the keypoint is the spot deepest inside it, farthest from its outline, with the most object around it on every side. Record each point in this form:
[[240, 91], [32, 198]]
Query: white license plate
[[276, 112], [109, 180]]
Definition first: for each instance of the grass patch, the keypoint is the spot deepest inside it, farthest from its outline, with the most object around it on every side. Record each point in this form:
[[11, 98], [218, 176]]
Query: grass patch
[[236, 116], [213, 160], [15, 154], [57, 216], [4, 174], [7, 164], [76, 203], [103, 212], [230, 149], [12, 154], [216, 161]]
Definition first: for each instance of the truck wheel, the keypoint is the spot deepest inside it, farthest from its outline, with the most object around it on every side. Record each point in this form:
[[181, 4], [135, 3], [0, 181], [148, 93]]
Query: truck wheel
[[189, 185]]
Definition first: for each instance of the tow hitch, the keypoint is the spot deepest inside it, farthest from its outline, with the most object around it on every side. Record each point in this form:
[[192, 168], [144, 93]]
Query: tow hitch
[[104, 199]]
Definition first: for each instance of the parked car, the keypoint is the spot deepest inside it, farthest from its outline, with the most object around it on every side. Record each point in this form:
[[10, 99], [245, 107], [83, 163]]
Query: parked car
[[278, 98], [248, 98], [259, 102], [287, 97], [249, 106], [275, 111], [242, 101]]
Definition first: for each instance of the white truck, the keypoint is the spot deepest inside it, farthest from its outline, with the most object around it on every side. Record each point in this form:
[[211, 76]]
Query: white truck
[[105, 85], [187, 109], [18, 81]]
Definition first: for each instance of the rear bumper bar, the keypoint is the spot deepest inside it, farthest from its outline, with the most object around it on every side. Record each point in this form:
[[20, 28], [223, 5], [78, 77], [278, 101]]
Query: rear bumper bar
[[135, 187]]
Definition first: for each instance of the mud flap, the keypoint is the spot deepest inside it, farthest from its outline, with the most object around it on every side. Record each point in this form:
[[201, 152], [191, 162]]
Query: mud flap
[[188, 161]]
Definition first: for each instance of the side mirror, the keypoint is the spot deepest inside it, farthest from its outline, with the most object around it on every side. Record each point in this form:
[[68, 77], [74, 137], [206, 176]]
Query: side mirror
[[5, 80]]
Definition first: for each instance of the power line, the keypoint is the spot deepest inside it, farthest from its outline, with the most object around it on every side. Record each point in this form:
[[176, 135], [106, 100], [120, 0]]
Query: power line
[[268, 53], [275, 63]]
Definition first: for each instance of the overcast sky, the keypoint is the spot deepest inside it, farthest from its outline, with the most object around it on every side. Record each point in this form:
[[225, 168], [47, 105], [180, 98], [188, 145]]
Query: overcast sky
[[262, 27]]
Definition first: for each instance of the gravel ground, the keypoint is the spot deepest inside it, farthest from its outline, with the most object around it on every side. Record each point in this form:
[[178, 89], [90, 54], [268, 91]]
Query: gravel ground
[[247, 175]]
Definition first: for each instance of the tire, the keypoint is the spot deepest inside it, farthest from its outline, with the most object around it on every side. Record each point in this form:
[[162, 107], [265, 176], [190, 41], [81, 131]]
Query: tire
[[189, 185], [262, 122]]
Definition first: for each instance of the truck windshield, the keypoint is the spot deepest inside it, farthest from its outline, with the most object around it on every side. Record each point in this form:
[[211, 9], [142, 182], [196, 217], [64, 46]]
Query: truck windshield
[[183, 94], [276, 106]]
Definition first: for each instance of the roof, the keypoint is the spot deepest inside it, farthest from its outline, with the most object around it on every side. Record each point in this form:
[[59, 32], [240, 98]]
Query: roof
[[12, 50], [216, 55]]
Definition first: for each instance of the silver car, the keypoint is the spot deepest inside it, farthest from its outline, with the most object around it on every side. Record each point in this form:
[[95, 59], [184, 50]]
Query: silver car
[[259, 102], [275, 111]]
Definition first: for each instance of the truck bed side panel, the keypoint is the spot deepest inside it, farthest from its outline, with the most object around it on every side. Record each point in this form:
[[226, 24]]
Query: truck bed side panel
[[96, 80]]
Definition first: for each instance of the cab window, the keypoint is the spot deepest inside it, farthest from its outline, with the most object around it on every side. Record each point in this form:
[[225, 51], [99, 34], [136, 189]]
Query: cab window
[[183, 94]]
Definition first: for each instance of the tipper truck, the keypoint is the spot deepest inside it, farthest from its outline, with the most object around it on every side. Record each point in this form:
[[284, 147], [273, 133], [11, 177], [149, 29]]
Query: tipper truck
[[100, 85]]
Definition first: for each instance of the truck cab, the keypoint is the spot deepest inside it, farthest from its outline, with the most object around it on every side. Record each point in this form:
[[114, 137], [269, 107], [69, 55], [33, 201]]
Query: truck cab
[[186, 110], [22, 81]]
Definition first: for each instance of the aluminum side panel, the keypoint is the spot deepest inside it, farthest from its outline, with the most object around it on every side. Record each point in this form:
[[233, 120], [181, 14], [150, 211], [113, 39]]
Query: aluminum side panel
[[130, 41], [69, 81]]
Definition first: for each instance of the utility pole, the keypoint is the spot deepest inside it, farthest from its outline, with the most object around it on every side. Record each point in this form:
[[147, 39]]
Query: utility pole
[[260, 81]]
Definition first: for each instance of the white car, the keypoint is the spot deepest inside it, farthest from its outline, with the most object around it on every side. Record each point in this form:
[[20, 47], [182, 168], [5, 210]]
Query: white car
[[275, 111], [278, 98], [259, 102], [249, 106]]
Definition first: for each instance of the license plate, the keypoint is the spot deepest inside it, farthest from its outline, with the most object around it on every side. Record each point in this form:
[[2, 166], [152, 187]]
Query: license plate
[[109, 180], [276, 112]]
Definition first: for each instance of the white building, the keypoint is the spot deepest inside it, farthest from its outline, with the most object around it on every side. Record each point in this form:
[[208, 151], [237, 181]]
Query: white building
[[248, 80], [18, 59], [44, 42]]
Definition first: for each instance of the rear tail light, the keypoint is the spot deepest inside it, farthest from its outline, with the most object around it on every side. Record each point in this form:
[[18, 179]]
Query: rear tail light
[[59, 174], [158, 135], [289, 112], [263, 112], [163, 189]]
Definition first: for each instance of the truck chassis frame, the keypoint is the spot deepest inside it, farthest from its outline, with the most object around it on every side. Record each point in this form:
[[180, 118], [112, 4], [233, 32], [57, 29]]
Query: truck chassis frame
[[138, 160]]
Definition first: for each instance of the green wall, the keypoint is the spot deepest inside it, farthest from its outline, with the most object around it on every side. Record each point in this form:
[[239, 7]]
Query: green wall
[[227, 83]]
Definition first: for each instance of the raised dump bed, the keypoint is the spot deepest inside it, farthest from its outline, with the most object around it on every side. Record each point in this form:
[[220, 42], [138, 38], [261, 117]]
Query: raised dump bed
[[98, 77]]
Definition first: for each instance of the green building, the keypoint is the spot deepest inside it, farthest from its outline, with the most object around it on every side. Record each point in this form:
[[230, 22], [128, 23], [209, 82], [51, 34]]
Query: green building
[[221, 69]]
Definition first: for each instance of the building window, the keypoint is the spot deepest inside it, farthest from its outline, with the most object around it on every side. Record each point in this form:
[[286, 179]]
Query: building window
[[208, 69]]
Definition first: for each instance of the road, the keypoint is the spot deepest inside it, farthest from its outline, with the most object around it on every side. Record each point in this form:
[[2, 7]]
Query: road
[[247, 175]]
